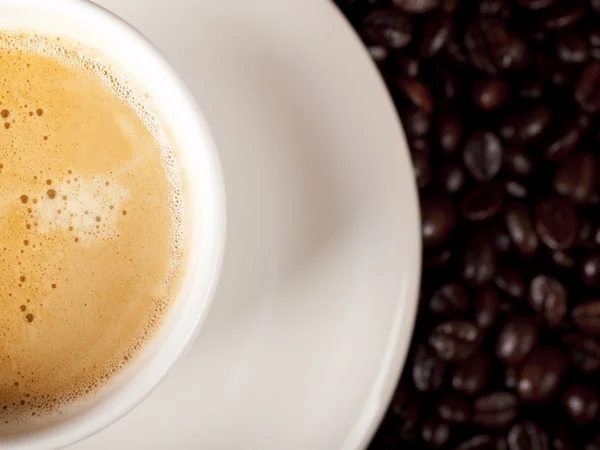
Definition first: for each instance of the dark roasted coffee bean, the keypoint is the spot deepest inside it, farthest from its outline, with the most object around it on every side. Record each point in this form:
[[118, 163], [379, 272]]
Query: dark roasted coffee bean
[[590, 269], [536, 4], [486, 307], [435, 432], [516, 338], [594, 444], [510, 377], [427, 370], [562, 15], [405, 66], [495, 410], [455, 340], [420, 145], [417, 93], [556, 223], [531, 88], [388, 27], [518, 162], [562, 141], [559, 436], [451, 178], [482, 442], [586, 316], [489, 45], [587, 88], [520, 227], [438, 258], [406, 407], [577, 176], [527, 436], [548, 297], [562, 259], [580, 402], [422, 168], [572, 48], [482, 155], [438, 218], [490, 93], [435, 35], [479, 261], [510, 281], [541, 374], [471, 376], [483, 201], [449, 133], [453, 409], [515, 189], [449, 300], [526, 124], [417, 6], [502, 240], [415, 121], [497, 8], [584, 352]]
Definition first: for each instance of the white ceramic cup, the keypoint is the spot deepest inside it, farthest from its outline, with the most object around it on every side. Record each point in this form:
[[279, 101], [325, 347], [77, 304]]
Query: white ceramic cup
[[135, 58]]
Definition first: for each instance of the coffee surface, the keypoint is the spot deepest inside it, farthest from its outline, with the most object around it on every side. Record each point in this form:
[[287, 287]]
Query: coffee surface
[[90, 227]]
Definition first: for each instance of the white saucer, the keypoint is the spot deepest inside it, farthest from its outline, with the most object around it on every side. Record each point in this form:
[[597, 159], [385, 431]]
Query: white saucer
[[314, 313]]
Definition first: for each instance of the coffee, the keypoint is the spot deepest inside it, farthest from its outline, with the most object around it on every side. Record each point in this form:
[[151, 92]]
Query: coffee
[[91, 235]]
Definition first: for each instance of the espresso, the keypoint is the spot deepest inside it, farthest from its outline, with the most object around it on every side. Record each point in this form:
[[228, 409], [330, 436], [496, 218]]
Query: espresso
[[91, 230]]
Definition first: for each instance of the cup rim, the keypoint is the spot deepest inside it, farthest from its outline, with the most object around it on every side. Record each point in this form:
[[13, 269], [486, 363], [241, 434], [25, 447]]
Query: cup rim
[[214, 218]]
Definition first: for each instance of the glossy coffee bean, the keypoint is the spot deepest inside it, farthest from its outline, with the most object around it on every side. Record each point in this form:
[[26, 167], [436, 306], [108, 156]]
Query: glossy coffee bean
[[470, 377], [510, 281], [406, 408], [416, 6], [584, 352], [527, 435], [580, 402], [562, 141], [389, 28], [562, 15], [516, 338], [417, 93], [483, 202], [518, 162], [489, 45], [449, 300], [548, 297], [541, 374], [531, 88], [586, 316], [516, 189], [536, 4], [556, 223], [453, 409], [435, 432], [577, 177], [500, 236], [479, 260], [526, 124], [416, 122], [572, 48], [427, 370], [422, 167], [451, 178], [520, 228], [590, 269], [455, 340], [449, 133], [438, 218], [495, 410], [482, 155], [490, 93], [435, 35], [562, 259], [482, 442], [587, 93], [487, 306]]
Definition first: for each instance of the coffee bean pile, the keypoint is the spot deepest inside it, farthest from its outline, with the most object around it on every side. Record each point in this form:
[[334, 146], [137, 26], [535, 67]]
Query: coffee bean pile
[[500, 102]]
